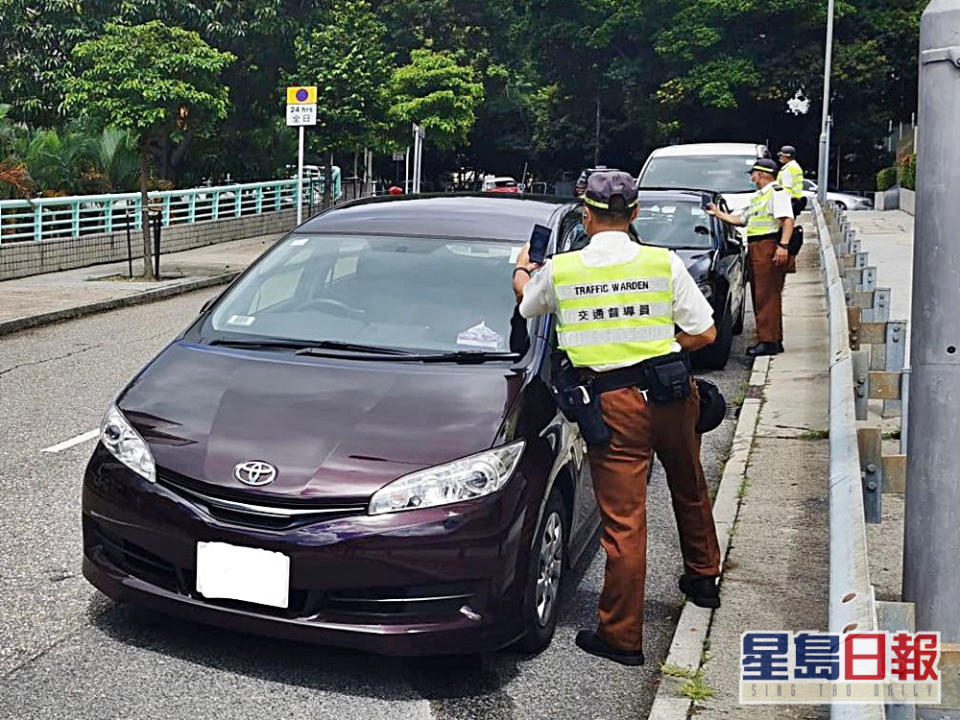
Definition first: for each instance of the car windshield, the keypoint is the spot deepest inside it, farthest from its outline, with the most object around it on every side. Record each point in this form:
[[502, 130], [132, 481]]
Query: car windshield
[[673, 224], [415, 294], [720, 173]]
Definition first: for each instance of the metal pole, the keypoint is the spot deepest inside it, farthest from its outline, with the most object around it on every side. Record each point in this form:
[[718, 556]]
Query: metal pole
[[596, 139], [823, 167], [126, 215], [406, 172], [300, 177], [931, 547]]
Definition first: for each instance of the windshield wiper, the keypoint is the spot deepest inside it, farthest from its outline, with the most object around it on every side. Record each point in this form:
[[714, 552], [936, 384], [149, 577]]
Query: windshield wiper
[[321, 345], [306, 347], [465, 357]]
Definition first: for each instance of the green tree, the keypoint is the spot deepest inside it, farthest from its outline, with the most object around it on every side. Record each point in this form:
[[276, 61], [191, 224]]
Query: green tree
[[157, 82], [345, 57], [439, 94]]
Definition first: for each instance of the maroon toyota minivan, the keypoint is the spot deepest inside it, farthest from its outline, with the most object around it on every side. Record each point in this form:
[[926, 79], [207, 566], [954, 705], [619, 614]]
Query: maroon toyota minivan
[[354, 444]]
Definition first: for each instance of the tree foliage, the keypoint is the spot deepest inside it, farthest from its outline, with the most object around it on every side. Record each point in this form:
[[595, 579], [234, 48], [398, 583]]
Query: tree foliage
[[658, 71], [436, 92], [345, 57]]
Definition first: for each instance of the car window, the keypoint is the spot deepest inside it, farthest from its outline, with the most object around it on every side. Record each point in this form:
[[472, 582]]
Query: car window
[[808, 185], [720, 173], [673, 224], [409, 293]]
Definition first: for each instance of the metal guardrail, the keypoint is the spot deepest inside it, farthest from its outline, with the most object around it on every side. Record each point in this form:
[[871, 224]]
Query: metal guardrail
[[57, 218], [859, 472]]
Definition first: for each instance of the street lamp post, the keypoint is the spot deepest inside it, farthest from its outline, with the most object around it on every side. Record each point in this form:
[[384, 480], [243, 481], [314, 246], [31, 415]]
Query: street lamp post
[[931, 538], [823, 167]]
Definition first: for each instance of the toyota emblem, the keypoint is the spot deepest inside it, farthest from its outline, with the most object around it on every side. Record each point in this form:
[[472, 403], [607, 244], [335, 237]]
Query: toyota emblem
[[254, 472]]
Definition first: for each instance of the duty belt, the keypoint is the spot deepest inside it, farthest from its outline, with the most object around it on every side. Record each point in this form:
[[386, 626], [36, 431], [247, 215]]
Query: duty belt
[[758, 238]]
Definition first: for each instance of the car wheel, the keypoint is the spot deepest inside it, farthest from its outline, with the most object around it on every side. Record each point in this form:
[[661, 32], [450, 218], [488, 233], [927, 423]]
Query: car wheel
[[541, 600], [715, 356], [841, 206], [737, 326]]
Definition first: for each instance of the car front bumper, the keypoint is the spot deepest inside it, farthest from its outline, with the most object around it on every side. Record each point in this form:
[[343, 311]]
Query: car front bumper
[[434, 581]]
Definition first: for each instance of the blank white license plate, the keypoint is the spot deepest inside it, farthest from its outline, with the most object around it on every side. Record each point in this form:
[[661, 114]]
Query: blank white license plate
[[253, 575]]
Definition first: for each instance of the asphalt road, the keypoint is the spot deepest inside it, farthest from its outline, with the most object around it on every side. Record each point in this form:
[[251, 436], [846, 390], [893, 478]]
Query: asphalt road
[[68, 652]]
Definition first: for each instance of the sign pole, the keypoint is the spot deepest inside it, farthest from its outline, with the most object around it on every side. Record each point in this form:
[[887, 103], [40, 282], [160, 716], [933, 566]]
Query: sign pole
[[301, 111], [300, 178]]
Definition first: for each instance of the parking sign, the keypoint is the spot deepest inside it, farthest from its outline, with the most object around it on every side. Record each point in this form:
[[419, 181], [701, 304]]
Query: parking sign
[[301, 105]]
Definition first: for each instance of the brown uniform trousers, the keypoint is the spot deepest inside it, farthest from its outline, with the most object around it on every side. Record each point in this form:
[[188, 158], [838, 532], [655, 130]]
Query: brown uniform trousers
[[766, 289], [620, 482]]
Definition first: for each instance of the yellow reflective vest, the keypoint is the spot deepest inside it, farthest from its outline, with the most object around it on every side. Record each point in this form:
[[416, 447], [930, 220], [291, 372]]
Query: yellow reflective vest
[[790, 179], [614, 314], [761, 220]]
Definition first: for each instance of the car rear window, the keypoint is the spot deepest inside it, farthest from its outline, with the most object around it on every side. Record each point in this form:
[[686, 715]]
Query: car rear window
[[720, 173], [420, 294]]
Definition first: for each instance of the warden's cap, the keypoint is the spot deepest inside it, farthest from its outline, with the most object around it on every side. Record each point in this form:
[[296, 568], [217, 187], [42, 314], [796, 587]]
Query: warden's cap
[[764, 165], [604, 186], [788, 150]]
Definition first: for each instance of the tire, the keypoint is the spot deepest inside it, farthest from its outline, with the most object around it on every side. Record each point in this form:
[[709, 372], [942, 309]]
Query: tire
[[541, 603], [841, 206], [737, 326], [715, 356]]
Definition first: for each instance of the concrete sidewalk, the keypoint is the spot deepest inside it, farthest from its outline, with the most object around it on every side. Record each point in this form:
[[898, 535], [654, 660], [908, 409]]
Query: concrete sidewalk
[[777, 568], [42, 299]]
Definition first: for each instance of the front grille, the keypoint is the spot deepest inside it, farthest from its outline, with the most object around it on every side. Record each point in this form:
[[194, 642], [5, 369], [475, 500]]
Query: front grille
[[239, 508]]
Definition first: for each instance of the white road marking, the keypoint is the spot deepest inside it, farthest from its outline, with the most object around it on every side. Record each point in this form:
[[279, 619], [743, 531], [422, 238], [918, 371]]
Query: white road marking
[[82, 438]]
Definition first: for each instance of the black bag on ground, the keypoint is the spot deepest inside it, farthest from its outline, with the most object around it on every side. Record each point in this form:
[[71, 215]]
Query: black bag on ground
[[796, 240], [713, 406]]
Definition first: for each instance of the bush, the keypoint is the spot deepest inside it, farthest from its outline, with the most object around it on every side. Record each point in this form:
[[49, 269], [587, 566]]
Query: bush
[[908, 172], [886, 178]]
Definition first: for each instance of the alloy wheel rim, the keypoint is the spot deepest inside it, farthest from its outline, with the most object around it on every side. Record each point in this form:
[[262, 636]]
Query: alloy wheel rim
[[550, 564]]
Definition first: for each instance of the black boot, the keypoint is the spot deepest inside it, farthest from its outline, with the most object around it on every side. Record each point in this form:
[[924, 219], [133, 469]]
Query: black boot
[[764, 348], [589, 641], [702, 590]]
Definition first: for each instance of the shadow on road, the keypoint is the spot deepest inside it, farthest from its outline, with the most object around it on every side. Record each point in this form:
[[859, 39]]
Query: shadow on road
[[445, 681]]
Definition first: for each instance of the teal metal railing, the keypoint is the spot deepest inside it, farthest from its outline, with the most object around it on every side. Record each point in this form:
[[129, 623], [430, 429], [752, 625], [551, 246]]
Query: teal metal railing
[[58, 218]]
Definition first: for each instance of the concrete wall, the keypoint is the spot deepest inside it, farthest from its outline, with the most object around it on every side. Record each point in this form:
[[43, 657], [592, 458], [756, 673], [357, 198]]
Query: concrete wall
[[20, 259], [908, 200]]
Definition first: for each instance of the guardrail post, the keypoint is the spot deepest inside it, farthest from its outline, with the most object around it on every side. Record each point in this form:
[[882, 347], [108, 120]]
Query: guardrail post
[[138, 213], [871, 472], [896, 355], [108, 216], [215, 208], [166, 210], [260, 200], [192, 208], [75, 219], [277, 196], [860, 361], [237, 199], [38, 222]]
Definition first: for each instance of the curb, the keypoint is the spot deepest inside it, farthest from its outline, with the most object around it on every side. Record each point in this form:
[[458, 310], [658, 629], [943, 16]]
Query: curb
[[147, 296], [693, 627]]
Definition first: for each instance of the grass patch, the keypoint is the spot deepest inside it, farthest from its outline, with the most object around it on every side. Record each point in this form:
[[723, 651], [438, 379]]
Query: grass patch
[[741, 394], [891, 435], [678, 672], [744, 486], [815, 435], [696, 688]]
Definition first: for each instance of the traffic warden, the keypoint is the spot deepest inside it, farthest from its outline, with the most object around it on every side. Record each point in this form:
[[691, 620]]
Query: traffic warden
[[790, 178], [769, 221], [617, 305]]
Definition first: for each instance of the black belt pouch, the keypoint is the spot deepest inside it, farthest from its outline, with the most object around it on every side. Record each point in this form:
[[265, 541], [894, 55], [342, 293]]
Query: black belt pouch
[[668, 377], [580, 404]]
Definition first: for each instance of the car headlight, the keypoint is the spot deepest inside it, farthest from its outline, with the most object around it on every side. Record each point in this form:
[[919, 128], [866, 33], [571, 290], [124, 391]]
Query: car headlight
[[126, 445], [464, 479]]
